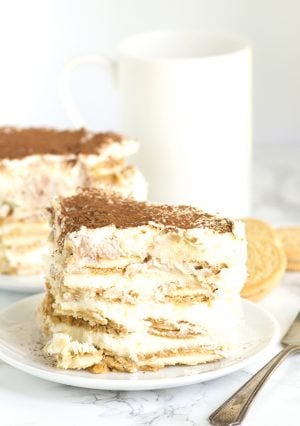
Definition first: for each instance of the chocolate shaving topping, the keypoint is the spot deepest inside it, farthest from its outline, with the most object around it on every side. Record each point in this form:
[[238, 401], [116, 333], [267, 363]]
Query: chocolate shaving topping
[[95, 209], [19, 143]]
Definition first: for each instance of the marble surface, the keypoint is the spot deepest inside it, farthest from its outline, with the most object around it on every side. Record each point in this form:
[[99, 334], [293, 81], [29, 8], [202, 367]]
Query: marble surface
[[25, 400]]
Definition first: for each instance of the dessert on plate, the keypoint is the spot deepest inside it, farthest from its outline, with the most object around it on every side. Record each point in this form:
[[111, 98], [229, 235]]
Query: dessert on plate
[[39, 164], [138, 286]]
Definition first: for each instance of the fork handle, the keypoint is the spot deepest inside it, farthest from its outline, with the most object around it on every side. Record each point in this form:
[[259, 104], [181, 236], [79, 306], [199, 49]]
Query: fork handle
[[233, 411]]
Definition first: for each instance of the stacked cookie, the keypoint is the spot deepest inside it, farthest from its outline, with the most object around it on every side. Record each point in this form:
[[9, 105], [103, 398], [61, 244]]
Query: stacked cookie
[[266, 261]]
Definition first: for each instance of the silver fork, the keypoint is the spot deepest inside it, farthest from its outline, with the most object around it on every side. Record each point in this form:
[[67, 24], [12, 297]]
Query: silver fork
[[233, 410]]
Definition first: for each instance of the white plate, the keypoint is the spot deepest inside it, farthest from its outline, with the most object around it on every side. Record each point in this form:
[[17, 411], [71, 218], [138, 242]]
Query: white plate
[[22, 284], [21, 347]]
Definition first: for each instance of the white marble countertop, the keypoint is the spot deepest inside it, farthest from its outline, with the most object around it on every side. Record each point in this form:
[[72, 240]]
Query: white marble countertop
[[26, 400]]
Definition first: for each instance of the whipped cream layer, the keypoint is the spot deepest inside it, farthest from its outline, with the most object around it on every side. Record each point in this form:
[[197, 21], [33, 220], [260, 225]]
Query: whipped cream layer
[[145, 257], [133, 317], [72, 354], [137, 345], [94, 247], [32, 182]]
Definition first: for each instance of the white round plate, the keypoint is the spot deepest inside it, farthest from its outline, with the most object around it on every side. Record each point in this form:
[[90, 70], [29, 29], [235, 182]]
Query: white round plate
[[22, 284], [21, 347]]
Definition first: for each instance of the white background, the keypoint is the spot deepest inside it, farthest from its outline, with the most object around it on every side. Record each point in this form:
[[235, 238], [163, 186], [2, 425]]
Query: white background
[[38, 36]]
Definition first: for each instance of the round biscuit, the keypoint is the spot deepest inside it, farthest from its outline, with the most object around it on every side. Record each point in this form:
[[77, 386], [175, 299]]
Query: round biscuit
[[290, 238], [266, 265], [257, 229]]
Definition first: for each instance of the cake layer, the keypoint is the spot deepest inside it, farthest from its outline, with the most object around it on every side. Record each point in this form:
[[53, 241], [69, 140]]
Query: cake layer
[[143, 343], [182, 274], [133, 317], [72, 354], [116, 287], [31, 183], [186, 251], [116, 294], [145, 280]]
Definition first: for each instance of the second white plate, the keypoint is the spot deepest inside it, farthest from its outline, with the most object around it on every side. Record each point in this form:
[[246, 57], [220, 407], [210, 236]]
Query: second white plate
[[21, 347], [22, 284]]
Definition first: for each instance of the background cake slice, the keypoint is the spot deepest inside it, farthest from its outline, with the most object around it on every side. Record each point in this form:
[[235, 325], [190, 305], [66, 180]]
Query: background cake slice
[[133, 285], [39, 164]]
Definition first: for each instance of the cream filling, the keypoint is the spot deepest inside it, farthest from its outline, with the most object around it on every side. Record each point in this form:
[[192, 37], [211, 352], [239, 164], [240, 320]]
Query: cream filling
[[30, 183], [76, 355], [133, 294], [142, 343], [210, 318], [133, 290], [145, 284], [147, 280], [112, 247]]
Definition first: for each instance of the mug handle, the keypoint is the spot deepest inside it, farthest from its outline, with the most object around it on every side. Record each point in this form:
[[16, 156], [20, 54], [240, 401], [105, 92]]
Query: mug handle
[[65, 91]]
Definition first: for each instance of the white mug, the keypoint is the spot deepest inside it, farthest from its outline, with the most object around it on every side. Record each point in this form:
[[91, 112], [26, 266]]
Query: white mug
[[187, 98]]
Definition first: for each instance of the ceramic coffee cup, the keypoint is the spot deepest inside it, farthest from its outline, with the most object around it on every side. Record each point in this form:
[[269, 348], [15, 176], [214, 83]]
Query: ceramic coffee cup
[[187, 98]]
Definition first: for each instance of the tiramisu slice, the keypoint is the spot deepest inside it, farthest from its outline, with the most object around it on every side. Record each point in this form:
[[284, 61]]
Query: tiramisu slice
[[38, 164], [137, 286]]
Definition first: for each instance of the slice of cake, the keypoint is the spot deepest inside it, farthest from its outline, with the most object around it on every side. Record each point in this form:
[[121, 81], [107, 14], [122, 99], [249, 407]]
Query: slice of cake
[[39, 164], [137, 286]]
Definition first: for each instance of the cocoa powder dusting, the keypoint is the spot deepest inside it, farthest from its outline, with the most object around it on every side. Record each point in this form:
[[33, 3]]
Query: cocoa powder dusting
[[95, 209], [19, 143]]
